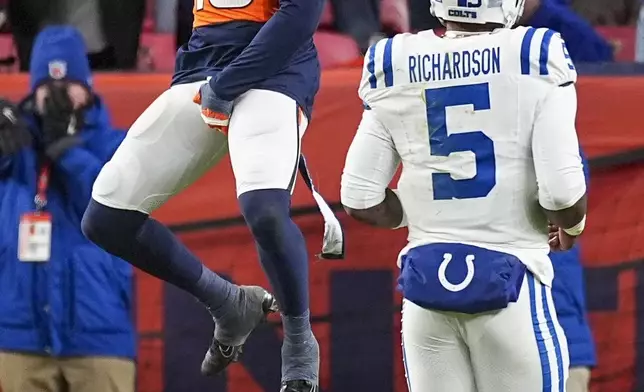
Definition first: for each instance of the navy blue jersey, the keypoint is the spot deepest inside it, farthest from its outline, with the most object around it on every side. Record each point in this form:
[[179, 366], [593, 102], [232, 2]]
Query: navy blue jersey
[[254, 46]]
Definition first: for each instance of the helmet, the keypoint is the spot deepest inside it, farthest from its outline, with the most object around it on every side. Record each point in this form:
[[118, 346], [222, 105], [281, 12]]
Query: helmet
[[504, 12]]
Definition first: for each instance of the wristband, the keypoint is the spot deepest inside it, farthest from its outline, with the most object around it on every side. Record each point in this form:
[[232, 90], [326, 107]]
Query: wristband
[[577, 229]]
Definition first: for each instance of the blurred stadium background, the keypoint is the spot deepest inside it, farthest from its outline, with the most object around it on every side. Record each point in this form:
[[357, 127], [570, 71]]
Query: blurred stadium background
[[354, 302]]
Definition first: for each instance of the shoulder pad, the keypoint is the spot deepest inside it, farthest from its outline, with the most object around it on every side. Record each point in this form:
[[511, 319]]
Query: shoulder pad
[[381, 64], [544, 55]]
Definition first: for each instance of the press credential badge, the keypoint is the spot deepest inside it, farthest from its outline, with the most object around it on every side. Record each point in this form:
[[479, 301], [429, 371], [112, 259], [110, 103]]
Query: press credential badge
[[35, 237]]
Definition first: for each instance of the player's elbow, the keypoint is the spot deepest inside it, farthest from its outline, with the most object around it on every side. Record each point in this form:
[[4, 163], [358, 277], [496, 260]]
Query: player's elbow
[[387, 213], [358, 201], [304, 16], [354, 212], [373, 216], [358, 207], [561, 188], [563, 201], [570, 215], [557, 192]]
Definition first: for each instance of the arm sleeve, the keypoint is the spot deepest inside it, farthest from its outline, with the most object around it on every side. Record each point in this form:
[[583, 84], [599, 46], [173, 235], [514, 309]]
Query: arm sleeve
[[276, 42], [80, 169], [555, 149], [585, 44], [370, 165]]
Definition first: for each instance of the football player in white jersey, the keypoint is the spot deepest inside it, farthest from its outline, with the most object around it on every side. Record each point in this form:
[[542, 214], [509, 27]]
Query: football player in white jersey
[[483, 121]]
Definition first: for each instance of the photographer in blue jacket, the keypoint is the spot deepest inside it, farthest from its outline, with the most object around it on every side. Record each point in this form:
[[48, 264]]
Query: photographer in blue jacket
[[65, 304]]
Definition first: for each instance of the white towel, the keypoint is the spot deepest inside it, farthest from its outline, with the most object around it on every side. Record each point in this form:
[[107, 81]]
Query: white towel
[[333, 243]]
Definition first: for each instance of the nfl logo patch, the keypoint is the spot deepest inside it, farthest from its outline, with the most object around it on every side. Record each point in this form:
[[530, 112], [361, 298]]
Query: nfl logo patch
[[57, 69]]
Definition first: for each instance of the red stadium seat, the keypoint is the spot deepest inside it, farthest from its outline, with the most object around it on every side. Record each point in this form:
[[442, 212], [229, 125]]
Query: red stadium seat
[[326, 22], [149, 24], [336, 50], [623, 37], [394, 15], [8, 60]]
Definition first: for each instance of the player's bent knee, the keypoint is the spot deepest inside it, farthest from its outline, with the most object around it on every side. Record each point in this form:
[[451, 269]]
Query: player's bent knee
[[96, 227], [111, 228], [91, 226], [265, 210], [108, 187]]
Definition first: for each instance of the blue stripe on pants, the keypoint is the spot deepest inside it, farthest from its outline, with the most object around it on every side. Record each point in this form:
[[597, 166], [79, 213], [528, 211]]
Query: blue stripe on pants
[[541, 345], [555, 338]]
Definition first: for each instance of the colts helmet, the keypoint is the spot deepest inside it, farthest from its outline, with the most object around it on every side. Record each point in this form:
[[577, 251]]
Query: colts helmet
[[503, 12]]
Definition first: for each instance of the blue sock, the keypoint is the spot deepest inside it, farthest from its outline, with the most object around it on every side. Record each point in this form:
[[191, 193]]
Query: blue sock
[[297, 329], [281, 246], [300, 350], [153, 248]]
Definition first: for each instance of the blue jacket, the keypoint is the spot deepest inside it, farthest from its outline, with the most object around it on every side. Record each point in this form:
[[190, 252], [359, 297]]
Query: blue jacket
[[79, 302], [584, 44], [569, 293]]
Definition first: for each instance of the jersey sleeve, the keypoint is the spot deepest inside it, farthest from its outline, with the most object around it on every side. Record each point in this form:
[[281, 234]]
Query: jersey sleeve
[[544, 55], [372, 161], [382, 68], [555, 149]]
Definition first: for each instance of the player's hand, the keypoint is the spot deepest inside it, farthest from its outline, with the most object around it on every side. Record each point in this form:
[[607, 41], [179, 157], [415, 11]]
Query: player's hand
[[57, 114], [559, 240], [215, 111]]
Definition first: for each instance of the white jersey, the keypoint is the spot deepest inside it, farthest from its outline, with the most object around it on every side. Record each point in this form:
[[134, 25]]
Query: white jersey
[[484, 128]]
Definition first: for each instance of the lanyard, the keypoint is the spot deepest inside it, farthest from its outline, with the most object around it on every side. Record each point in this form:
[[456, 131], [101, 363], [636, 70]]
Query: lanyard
[[43, 184]]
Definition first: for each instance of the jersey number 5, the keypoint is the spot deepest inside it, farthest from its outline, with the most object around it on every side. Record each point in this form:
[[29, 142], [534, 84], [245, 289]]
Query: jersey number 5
[[443, 144], [200, 4]]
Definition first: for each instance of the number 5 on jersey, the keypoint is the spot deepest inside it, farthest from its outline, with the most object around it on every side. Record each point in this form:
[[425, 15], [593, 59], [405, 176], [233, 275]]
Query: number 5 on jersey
[[442, 143]]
